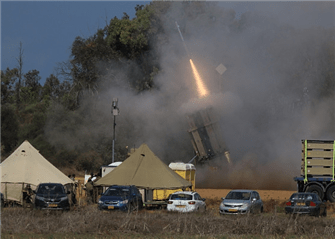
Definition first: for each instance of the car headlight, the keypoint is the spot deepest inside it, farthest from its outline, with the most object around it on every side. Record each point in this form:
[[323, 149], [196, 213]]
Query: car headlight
[[245, 205], [39, 198], [222, 205], [100, 202], [124, 201], [63, 198]]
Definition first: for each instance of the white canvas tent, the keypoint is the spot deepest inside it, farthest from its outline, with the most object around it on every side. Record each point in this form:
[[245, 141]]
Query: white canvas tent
[[27, 166]]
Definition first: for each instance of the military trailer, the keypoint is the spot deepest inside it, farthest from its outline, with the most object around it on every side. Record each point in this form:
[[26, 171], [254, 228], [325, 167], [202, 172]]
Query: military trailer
[[186, 171], [317, 168]]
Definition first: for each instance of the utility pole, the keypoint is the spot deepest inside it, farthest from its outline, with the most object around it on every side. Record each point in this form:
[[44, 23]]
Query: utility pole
[[115, 112]]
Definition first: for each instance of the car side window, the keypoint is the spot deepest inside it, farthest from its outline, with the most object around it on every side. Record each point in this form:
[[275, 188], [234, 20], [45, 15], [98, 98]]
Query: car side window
[[253, 195], [257, 196], [196, 196]]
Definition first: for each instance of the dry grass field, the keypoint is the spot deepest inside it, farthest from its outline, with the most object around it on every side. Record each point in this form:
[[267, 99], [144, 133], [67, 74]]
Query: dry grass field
[[89, 222]]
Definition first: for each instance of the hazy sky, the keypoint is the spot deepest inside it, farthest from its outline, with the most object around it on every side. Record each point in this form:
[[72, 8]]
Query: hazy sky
[[47, 29]]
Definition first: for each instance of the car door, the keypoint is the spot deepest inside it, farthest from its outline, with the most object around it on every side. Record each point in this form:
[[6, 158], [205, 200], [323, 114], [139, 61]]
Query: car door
[[254, 203], [258, 202], [198, 201], [202, 201]]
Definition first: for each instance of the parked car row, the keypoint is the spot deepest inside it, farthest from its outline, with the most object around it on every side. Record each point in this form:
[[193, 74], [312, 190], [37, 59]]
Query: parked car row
[[128, 198]]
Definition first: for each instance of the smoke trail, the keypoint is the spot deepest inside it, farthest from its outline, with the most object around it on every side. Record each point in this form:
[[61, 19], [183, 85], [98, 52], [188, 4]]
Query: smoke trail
[[203, 92]]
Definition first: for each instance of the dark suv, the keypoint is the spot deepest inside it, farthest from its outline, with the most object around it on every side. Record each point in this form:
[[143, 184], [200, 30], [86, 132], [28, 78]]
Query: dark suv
[[124, 198], [51, 196], [2, 200]]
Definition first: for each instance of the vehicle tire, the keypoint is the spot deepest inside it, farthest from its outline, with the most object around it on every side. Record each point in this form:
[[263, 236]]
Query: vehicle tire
[[316, 189], [317, 214], [131, 207], [324, 214], [261, 211], [331, 193]]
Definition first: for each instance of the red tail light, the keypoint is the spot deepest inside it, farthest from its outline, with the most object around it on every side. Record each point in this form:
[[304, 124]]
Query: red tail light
[[288, 203], [312, 204], [192, 202]]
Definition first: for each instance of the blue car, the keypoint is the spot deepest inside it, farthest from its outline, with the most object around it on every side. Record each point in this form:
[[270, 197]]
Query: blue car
[[124, 198]]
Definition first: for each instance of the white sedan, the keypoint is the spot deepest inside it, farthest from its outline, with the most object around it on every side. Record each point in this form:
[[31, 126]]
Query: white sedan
[[185, 201]]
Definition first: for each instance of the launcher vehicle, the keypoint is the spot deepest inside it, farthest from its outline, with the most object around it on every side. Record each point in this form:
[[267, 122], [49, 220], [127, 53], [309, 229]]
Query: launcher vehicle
[[318, 168]]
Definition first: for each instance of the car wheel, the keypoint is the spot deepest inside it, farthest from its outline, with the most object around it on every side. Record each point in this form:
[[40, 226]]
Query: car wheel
[[317, 214], [261, 211], [324, 214], [331, 194], [315, 189]]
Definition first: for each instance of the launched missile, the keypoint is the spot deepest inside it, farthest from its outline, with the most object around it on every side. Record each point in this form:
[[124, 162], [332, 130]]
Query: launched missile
[[183, 41], [180, 32]]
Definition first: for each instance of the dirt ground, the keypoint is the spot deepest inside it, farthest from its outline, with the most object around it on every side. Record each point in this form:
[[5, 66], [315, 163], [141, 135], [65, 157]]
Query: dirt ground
[[264, 194]]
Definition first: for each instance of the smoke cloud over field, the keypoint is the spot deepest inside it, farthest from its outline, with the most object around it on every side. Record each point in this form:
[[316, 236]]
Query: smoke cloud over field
[[267, 100]]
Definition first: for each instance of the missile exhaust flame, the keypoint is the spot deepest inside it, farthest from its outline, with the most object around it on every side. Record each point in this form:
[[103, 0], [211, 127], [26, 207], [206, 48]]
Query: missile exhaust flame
[[203, 92]]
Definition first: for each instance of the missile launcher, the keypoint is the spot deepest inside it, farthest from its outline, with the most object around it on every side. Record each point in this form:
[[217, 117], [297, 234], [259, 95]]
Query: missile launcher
[[206, 136]]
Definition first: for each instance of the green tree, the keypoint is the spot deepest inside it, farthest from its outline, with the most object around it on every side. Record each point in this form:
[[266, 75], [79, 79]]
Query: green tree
[[9, 128], [51, 88], [31, 92], [8, 79]]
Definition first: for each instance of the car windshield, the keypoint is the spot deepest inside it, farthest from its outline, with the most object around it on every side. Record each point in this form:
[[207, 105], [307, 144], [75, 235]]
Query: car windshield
[[181, 196], [298, 196], [238, 195], [117, 192], [50, 189]]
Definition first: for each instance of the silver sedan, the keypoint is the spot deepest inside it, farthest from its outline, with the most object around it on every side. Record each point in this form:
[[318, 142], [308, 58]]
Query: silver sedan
[[241, 202]]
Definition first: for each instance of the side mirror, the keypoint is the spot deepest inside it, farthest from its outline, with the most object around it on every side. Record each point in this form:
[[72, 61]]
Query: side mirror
[[222, 199], [203, 199]]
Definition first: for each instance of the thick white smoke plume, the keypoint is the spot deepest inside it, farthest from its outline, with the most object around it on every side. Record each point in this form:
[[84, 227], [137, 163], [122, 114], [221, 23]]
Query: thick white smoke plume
[[267, 100]]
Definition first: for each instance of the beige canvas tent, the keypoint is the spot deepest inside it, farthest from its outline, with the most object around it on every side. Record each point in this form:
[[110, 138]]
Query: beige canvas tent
[[27, 166], [144, 170]]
